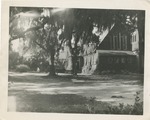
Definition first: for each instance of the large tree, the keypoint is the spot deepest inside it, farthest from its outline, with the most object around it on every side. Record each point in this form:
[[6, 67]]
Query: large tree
[[41, 30]]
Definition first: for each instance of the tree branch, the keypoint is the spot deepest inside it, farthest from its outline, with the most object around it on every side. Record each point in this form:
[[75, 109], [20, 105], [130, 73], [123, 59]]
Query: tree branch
[[23, 34], [41, 46]]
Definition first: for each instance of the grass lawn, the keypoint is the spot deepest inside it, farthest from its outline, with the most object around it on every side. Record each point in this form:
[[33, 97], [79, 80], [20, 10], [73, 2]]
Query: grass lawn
[[97, 94]]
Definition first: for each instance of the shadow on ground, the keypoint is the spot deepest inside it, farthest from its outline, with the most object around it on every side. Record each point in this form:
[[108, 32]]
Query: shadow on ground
[[36, 92]]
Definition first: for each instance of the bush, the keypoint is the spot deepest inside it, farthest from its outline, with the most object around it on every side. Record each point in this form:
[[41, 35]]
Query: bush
[[136, 109], [97, 107], [13, 59], [22, 68]]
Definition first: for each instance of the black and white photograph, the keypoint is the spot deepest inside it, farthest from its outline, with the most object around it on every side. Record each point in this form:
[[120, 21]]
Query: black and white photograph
[[76, 60]]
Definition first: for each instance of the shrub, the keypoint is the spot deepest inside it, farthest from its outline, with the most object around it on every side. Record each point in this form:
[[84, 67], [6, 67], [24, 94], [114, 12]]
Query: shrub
[[22, 68], [135, 109], [91, 102], [95, 107], [13, 59]]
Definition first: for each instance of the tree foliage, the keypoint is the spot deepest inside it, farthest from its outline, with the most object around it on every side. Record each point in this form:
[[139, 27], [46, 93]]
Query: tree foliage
[[49, 32]]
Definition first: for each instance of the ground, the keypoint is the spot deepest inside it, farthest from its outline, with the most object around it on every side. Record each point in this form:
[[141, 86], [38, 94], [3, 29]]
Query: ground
[[35, 92]]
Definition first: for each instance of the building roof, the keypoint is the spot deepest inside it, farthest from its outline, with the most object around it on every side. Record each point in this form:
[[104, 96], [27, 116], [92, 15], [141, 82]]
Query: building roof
[[105, 33]]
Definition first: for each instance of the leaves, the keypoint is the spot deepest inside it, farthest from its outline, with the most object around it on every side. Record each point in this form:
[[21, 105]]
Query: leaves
[[62, 26]]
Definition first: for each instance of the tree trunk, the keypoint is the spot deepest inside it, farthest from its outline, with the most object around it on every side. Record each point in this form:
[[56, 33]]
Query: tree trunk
[[75, 56], [70, 57], [51, 63], [141, 52], [141, 30], [74, 63]]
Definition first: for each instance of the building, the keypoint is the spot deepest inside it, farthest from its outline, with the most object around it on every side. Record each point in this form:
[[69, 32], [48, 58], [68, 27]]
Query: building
[[118, 51]]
